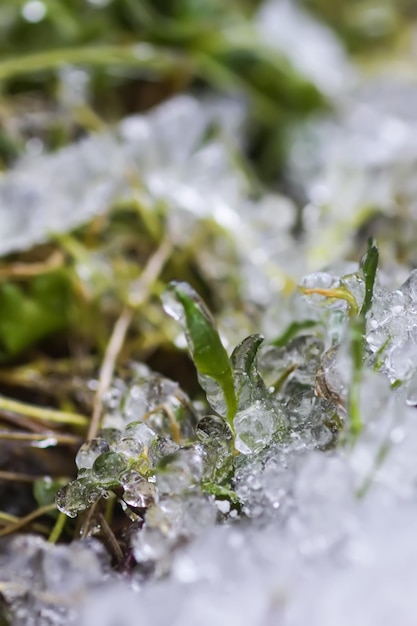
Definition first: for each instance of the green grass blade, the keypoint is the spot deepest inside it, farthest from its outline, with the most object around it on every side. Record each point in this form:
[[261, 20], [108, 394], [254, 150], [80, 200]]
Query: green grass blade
[[145, 57], [369, 266], [182, 303]]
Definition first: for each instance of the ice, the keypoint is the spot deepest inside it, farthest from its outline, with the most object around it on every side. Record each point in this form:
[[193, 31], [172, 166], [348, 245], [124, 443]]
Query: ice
[[257, 419], [284, 25], [320, 536], [89, 451], [217, 439], [108, 467], [255, 428], [172, 521], [111, 436], [311, 526], [318, 280], [180, 471], [141, 433], [150, 147], [160, 448], [411, 398], [45, 584], [362, 156], [138, 492], [79, 495], [129, 447], [296, 363], [409, 288], [153, 399]]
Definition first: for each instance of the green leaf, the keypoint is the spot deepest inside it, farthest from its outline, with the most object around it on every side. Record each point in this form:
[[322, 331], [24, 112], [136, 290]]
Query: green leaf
[[45, 490], [183, 303], [369, 266], [28, 316]]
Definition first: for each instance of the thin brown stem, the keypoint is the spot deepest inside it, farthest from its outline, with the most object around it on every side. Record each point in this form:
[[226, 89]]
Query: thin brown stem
[[6, 519], [149, 275], [109, 362], [110, 537], [20, 478], [24, 521], [60, 439], [88, 518]]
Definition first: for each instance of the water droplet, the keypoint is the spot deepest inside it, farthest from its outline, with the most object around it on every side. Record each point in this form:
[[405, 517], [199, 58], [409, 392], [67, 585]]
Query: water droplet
[[89, 451]]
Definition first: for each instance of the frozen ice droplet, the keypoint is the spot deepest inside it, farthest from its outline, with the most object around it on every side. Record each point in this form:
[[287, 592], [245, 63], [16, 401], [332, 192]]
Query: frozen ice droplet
[[409, 288], [317, 280], [108, 467], [254, 428], [160, 448], [89, 451], [138, 492], [129, 447], [172, 305], [180, 471], [141, 432], [111, 435]]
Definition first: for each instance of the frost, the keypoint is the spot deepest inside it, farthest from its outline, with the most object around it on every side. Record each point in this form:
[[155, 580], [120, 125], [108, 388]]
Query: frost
[[287, 27], [47, 583], [361, 157], [158, 149], [138, 492], [89, 451]]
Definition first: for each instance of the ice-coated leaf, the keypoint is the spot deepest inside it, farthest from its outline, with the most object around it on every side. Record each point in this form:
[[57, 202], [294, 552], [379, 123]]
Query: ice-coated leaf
[[249, 385], [183, 303], [78, 496], [256, 419]]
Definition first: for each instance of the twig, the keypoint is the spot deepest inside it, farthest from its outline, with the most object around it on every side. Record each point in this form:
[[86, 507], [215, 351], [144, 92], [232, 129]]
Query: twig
[[61, 439], [24, 521], [22, 421], [40, 413], [109, 535], [149, 275], [87, 519], [6, 519], [20, 478], [106, 372]]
